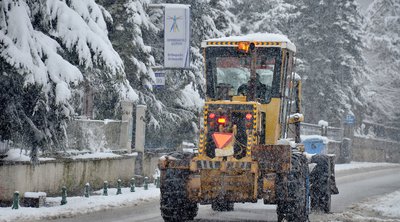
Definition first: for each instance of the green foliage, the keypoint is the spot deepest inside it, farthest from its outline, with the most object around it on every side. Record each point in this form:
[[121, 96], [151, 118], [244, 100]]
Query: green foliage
[[28, 116], [46, 60]]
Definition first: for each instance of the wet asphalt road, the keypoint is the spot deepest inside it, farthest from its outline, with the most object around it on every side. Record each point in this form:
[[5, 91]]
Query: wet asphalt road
[[354, 186]]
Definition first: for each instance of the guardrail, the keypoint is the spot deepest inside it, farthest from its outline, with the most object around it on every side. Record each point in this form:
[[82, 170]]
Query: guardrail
[[332, 133], [381, 131]]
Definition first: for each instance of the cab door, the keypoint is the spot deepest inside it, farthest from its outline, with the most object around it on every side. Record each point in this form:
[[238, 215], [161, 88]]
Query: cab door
[[287, 92]]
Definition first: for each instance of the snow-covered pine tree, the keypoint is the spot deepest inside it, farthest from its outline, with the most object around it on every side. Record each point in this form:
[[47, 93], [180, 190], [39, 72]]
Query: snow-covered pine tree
[[47, 48], [172, 109], [383, 52], [137, 36], [181, 94], [328, 39], [225, 21], [263, 16]]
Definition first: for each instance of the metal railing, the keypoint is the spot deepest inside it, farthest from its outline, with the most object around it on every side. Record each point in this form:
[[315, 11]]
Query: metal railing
[[332, 133], [380, 131]]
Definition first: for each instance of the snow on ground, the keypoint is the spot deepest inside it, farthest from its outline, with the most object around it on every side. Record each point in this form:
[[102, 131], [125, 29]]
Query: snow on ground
[[378, 209], [388, 205], [96, 155], [359, 165], [383, 207], [21, 155], [80, 205]]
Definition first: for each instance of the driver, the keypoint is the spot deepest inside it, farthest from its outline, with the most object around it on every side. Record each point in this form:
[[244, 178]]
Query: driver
[[260, 88]]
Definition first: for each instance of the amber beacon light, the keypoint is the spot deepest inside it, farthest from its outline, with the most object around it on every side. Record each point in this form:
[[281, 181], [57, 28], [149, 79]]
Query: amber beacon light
[[243, 46]]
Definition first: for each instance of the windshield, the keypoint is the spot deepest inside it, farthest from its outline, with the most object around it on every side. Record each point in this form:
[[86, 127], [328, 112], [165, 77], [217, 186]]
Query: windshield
[[230, 71], [235, 71]]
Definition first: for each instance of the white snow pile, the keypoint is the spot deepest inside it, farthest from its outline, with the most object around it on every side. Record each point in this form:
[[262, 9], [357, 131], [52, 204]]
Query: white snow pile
[[296, 116], [286, 142], [324, 139], [190, 98], [359, 165], [388, 205], [323, 123], [80, 205], [35, 194], [96, 155], [21, 155], [379, 209], [260, 37]]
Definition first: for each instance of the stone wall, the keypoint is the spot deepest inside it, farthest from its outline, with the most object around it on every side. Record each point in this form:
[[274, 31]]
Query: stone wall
[[50, 176], [150, 164], [334, 148], [375, 150]]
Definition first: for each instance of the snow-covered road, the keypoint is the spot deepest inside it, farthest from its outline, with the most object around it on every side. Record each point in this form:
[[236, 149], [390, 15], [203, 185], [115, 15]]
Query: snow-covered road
[[358, 182], [355, 187]]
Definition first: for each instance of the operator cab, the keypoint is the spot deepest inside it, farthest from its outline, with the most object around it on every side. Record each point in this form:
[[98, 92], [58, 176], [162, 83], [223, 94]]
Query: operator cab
[[254, 70], [234, 64]]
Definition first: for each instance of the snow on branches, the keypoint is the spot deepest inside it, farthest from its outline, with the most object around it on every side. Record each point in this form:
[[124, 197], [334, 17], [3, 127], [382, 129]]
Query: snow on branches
[[82, 29], [33, 53], [48, 48], [37, 38]]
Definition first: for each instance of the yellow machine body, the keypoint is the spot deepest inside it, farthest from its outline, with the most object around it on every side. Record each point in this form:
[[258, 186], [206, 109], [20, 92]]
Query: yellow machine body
[[240, 161]]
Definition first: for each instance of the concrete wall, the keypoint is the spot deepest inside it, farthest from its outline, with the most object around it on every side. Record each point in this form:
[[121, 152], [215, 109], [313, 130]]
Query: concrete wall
[[375, 150], [50, 176], [150, 164], [334, 148]]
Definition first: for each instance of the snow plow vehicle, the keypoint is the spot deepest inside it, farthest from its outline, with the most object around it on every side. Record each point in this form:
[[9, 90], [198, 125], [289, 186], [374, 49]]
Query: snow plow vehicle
[[245, 152]]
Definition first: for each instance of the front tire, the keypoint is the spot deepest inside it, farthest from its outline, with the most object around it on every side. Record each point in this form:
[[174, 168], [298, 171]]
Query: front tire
[[294, 207], [174, 202], [222, 206]]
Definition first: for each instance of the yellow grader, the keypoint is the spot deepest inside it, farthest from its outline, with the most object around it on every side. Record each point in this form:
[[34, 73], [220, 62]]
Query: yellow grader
[[249, 144]]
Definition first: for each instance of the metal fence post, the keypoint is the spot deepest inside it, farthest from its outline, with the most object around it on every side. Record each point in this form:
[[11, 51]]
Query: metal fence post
[[87, 188], [133, 185], [105, 188], [64, 195], [15, 205], [119, 187]]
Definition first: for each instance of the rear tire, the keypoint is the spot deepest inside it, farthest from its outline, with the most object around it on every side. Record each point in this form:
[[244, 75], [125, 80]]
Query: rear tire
[[222, 206], [294, 207], [174, 202], [320, 180]]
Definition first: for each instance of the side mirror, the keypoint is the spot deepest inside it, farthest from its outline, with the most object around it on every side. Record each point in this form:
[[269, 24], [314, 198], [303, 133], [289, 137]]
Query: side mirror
[[296, 118]]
